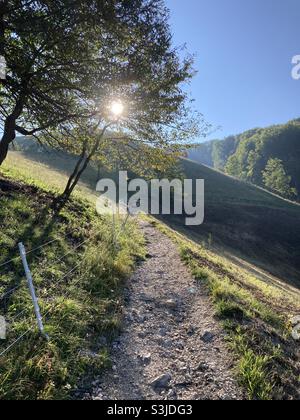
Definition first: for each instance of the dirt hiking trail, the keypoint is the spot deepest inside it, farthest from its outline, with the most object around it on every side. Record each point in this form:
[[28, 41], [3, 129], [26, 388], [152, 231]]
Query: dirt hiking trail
[[171, 347]]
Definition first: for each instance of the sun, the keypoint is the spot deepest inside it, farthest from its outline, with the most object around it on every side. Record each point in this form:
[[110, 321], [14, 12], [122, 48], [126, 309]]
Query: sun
[[117, 108]]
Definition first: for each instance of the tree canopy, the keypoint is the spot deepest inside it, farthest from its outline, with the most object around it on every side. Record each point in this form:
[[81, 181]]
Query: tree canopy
[[250, 155], [69, 59], [276, 179]]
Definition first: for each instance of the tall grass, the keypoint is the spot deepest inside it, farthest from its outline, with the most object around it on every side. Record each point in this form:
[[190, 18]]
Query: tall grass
[[81, 312], [256, 330]]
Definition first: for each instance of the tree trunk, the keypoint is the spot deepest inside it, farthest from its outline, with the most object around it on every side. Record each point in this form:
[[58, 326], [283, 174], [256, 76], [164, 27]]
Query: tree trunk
[[71, 186], [9, 126], [75, 172], [8, 137], [79, 169], [9, 133], [72, 182]]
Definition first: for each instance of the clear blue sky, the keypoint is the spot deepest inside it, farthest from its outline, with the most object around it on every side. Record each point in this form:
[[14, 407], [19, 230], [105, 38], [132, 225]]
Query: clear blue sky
[[243, 53]]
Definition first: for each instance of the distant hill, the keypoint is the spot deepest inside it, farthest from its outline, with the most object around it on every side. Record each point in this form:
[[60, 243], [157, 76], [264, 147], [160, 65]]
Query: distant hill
[[27, 144], [250, 155]]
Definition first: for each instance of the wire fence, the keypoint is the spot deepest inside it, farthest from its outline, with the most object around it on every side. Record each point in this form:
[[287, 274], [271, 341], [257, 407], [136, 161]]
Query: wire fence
[[35, 250], [26, 313]]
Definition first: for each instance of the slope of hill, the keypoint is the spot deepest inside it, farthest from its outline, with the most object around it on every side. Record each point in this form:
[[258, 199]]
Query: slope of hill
[[243, 221], [78, 275], [254, 309], [54, 166], [256, 318], [247, 223], [246, 156]]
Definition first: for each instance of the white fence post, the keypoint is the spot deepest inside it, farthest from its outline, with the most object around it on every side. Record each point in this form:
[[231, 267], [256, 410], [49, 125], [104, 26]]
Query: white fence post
[[32, 290], [114, 231]]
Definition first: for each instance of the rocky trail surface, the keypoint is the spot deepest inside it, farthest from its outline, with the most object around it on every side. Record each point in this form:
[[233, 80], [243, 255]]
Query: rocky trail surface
[[171, 347]]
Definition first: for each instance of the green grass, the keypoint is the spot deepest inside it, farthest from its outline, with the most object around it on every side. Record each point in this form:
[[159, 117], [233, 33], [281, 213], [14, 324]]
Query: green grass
[[241, 220], [224, 187], [254, 317], [254, 369], [245, 223], [77, 309], [50, 171]]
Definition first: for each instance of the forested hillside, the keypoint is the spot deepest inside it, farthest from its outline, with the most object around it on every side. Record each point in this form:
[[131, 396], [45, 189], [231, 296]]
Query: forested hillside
[[268, 157]]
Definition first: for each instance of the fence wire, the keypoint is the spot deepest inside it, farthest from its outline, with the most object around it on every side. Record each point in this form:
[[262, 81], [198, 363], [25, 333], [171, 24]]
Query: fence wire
[[17, 316], [63, 295]]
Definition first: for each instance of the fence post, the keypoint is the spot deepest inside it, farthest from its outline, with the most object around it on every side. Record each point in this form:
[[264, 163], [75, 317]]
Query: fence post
[[114, 231], [32, 290]]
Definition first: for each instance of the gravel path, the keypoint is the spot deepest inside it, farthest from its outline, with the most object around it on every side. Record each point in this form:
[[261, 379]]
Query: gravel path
[[172, 346]]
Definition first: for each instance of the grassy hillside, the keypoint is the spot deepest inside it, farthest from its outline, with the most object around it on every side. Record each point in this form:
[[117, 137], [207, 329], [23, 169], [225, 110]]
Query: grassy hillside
[[50, 169], [242, 226], [78, 271], [243, 222], [246, 223], [255, 317], [246, 156]]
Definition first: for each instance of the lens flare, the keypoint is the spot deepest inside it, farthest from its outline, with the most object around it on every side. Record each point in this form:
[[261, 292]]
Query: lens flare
[[117, 108]]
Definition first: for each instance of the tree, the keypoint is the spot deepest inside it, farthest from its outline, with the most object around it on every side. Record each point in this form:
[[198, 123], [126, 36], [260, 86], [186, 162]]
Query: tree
[[67, 58], [221, 150], [143, 71], [119, 150], [256, 148], [47, 62], [276, 179]]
